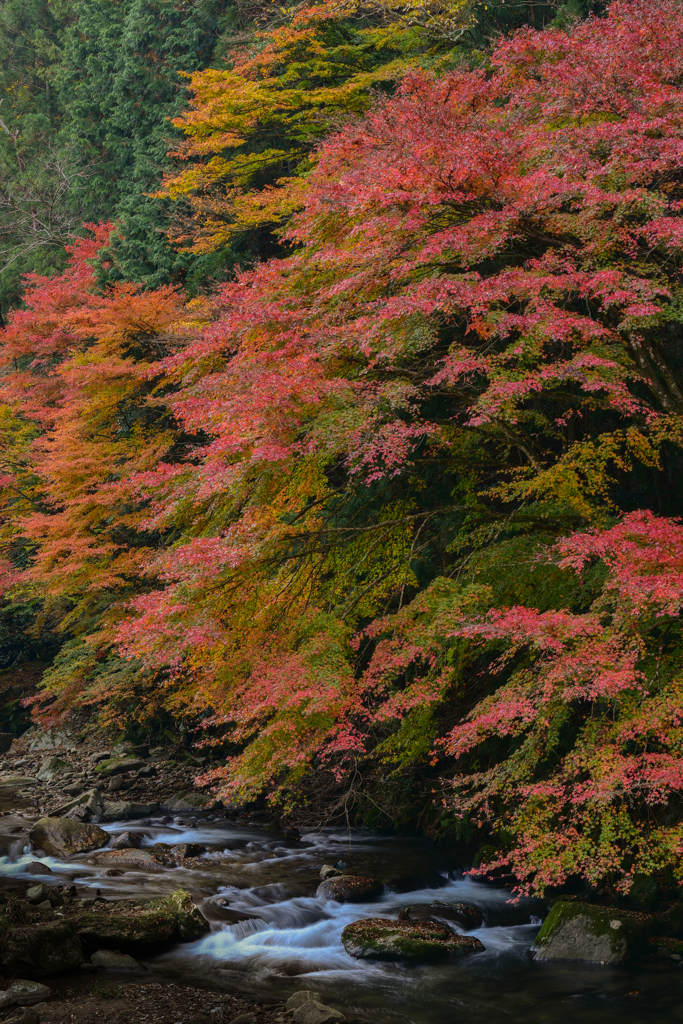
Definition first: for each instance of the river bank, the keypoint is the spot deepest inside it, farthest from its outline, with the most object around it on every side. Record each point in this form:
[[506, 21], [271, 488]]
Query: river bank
[[201, 913]]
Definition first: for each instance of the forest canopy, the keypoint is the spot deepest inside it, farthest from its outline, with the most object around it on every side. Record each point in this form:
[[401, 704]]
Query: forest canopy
[[341, 414]]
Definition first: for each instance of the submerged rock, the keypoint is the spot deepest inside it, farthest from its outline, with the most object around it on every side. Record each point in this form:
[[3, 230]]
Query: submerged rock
[[37, 950], [62, 837], [579, 931], [378, 938], [349, 889]]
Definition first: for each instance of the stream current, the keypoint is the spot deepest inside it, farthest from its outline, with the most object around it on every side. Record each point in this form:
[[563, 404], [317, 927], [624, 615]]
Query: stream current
[[293, 939]]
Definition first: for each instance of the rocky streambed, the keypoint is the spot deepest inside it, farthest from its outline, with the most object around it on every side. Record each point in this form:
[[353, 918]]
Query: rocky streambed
[[173, 909]]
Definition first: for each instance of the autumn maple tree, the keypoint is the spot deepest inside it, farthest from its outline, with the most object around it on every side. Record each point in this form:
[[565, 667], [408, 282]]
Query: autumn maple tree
[[396, 509]]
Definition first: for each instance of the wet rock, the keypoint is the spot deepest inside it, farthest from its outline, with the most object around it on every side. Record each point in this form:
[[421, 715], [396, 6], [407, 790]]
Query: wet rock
[[378, 938], [127, 841], [463, 914], [123, 810], [314, 1012], [28, 993], [35, 951], [52, 768], [36, 867], [128, 858], [6, 739], [190, 923], [329, 871], [115, 961], [349, 889], [62, 837], [301, 997], [579, 931], [187, 850]]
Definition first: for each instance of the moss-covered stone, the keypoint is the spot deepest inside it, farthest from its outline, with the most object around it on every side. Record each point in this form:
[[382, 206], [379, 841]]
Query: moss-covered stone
[[142, 929], [135, 932], [580, 931], [349, 889], [378, 938], [119, 765], [190, 924]]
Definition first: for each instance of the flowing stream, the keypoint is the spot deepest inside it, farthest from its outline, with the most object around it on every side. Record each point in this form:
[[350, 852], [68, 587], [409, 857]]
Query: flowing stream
[[292, 939]]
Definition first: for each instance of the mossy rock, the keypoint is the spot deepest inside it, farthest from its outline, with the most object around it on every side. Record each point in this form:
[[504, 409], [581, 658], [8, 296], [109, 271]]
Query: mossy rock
[[350, 889], [377, 938], [119, 765], [143, 930], [190, 924], [580, 931]]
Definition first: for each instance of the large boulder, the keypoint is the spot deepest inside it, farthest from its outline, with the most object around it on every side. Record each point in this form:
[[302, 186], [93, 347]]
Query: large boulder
[[463, 914], [38, 950], [135, 932], [144, 929], [377, 938], [350, 889], [62, 837], [118, 765], [52, 767], [579, 931]]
